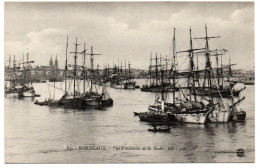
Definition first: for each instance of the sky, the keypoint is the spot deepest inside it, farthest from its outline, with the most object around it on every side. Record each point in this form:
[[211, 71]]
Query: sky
[[128, 31]]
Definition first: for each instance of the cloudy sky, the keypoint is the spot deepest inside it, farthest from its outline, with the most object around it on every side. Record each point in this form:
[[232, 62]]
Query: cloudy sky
[[128, 31]]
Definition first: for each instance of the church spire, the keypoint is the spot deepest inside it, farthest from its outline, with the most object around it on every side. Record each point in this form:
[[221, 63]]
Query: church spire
[[51, 62], [56, 62]]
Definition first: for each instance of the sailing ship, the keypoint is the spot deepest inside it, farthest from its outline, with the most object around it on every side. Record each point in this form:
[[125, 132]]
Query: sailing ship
[[192, 107], [188, 110], [221, 111], [27, 89], [117, 77], [93, 98], [21, 85], [77, 99], [105, 77], [129, 82], [120, 80], [215, 72], [155, 85], [14, 87]]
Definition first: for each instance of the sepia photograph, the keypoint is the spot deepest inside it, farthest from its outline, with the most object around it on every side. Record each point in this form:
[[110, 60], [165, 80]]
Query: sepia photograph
[[129, 82]]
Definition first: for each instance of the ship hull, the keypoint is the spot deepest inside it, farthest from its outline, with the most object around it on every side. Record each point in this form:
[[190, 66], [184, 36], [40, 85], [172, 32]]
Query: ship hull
[[195, 118], [217, 116], [28, 93], [129, 87], [73, 102], [55, 80], [152, 117], [85, 102], [224, 93], [92, 102], [107, 102], [121, 86], [157, 89]]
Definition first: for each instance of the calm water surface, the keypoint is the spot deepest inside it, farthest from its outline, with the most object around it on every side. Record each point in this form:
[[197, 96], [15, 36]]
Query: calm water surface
[[41, 134]]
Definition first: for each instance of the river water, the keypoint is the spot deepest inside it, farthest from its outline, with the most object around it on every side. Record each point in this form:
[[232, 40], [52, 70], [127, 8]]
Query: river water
[[41, 134]]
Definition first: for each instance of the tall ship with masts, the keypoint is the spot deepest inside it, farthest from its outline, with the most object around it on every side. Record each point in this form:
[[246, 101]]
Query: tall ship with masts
[[220, 72], [80, 97], [116, 77], [129, 81], [12, 87], [123, 79], [189, 107], [72, 99], [154, 79], [21, 81], [155, 83], [221, 111], [94, 98], [27, 89], [183, 108]]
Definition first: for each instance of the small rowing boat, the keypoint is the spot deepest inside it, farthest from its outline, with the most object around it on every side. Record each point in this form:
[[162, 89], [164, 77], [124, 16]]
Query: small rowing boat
[[160, 129]]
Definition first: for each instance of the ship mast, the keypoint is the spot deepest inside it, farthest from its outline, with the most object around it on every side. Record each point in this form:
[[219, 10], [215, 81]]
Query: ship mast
[[14, 64], [219, 69], [54, 79], [75, 68], [192, 68], [208, 63], [222, 75], [166, 63], [129, 70], [28, 66], [9, 62], [125, 71], [150, 71], [84, 70], [66, 65], [156, 70], [162, 84], [118, 70], [160, 64], [174, 64], [121, 70], [23, 61], [230, 70], [92, 65]]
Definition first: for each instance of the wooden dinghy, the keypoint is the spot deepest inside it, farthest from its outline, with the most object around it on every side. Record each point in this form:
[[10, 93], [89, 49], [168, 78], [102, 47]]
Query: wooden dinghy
[[160, 129]]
